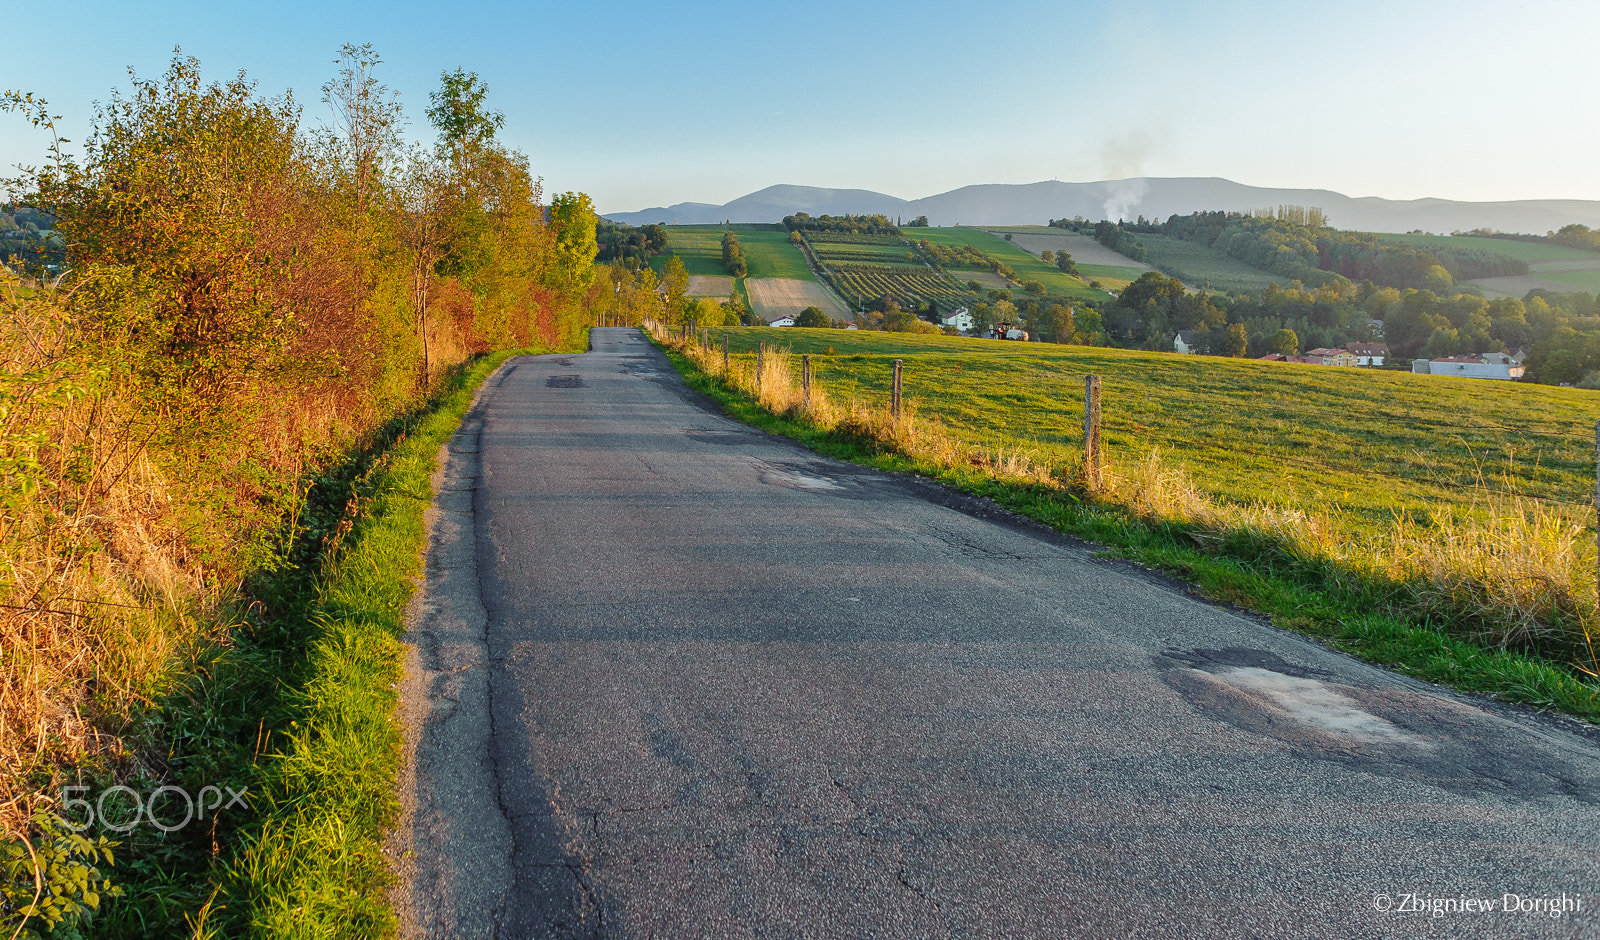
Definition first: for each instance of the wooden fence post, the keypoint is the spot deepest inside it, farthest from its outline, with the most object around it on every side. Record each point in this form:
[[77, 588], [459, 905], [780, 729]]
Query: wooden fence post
[[805, 379], [894, 394], [761, 360], [1091, 431], [724, 352]]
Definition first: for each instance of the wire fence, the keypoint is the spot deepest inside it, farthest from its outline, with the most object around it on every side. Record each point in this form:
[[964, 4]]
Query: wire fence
[[1532, 463]]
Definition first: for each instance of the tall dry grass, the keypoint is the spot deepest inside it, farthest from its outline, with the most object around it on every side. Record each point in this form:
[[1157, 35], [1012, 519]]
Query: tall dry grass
[[93, 560], [122, 543], [1508, 573]]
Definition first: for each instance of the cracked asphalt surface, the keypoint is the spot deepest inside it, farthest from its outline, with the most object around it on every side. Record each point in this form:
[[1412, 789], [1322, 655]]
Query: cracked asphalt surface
[[674, 677]]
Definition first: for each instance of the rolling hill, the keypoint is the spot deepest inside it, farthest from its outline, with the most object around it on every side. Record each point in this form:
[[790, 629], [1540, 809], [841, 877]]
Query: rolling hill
[[1035, 203]]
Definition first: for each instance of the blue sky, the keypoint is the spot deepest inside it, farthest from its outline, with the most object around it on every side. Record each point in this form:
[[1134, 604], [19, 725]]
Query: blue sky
[[643, 104]]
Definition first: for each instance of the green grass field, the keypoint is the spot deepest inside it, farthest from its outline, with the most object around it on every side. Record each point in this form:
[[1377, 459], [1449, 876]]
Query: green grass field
[[1203, 268], [1027, 267], [1550, 266], [1110, 277], [766, 249], [1579, 280], [1530, 252], [1361, 444]]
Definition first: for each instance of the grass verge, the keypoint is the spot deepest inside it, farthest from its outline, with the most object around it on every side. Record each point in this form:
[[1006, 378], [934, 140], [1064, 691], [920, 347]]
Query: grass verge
[[1408, 627]]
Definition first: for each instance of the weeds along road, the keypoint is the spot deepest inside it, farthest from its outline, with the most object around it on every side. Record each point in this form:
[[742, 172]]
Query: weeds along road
[[677, 678]]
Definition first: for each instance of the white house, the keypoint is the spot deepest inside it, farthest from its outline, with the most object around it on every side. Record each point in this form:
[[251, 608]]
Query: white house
[[1187, 341], [785, 320], [1500, 366], [959, 318], [1368, 354]]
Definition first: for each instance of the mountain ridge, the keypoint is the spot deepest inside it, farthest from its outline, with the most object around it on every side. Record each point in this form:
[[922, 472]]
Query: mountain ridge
[[1153, 197]]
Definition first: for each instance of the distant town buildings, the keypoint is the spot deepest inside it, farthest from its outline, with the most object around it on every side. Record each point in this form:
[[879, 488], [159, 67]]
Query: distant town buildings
[[1352, 355], [1502, 366]]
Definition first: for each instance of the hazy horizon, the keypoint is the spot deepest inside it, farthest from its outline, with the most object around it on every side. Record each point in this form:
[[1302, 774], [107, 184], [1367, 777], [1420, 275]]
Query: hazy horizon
[[643, 106]]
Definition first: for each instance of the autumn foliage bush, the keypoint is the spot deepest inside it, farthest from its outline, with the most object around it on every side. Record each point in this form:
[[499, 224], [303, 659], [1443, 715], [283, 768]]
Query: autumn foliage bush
[[249, 297]]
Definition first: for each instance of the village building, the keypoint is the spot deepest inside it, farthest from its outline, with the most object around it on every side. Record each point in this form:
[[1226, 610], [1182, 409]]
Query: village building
[[785, 320], [1331, 357], [1187, 342], [1501, 366], [960, 318], [1368, 354]]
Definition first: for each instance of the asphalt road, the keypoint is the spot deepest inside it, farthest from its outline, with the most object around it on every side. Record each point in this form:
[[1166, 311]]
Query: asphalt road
[[677, 678]]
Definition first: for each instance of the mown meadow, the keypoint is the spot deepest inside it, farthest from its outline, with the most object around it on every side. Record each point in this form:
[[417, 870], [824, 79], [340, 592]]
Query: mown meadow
[[1443, 527], [766, 247], [1204, 268], [1365, 444]]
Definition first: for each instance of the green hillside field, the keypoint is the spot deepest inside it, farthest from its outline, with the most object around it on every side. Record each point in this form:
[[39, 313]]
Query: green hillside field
[[1026, 266], [1531, 252], [1554, 267], [766, 249], [1204, 268], [1356, 444]]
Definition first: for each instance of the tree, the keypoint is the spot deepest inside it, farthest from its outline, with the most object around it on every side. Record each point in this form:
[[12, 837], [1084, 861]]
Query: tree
[[1065, 264], [572, 267], [674, 279], [920, 221], [1285, 342], [366, 138], [1034, 287], [458, 112], [1437, 279], [1090, 328], [703, 311], [1235, 341], [1059, 324], [1444, 342], [812, 317], [1047, 256]]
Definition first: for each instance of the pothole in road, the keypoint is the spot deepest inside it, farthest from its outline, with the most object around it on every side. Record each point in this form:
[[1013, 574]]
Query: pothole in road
[[639, 365], [564, 381], [1316, 705], [1260, 691], [726, 438], [797, 480]]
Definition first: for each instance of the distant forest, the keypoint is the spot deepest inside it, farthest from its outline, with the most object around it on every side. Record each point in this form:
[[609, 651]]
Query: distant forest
[[1340, 287], [28, 240], [1308, 251]]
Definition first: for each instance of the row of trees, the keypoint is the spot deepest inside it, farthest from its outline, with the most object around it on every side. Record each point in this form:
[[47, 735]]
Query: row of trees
[[846, 224], [633, 246], [733, 256]]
